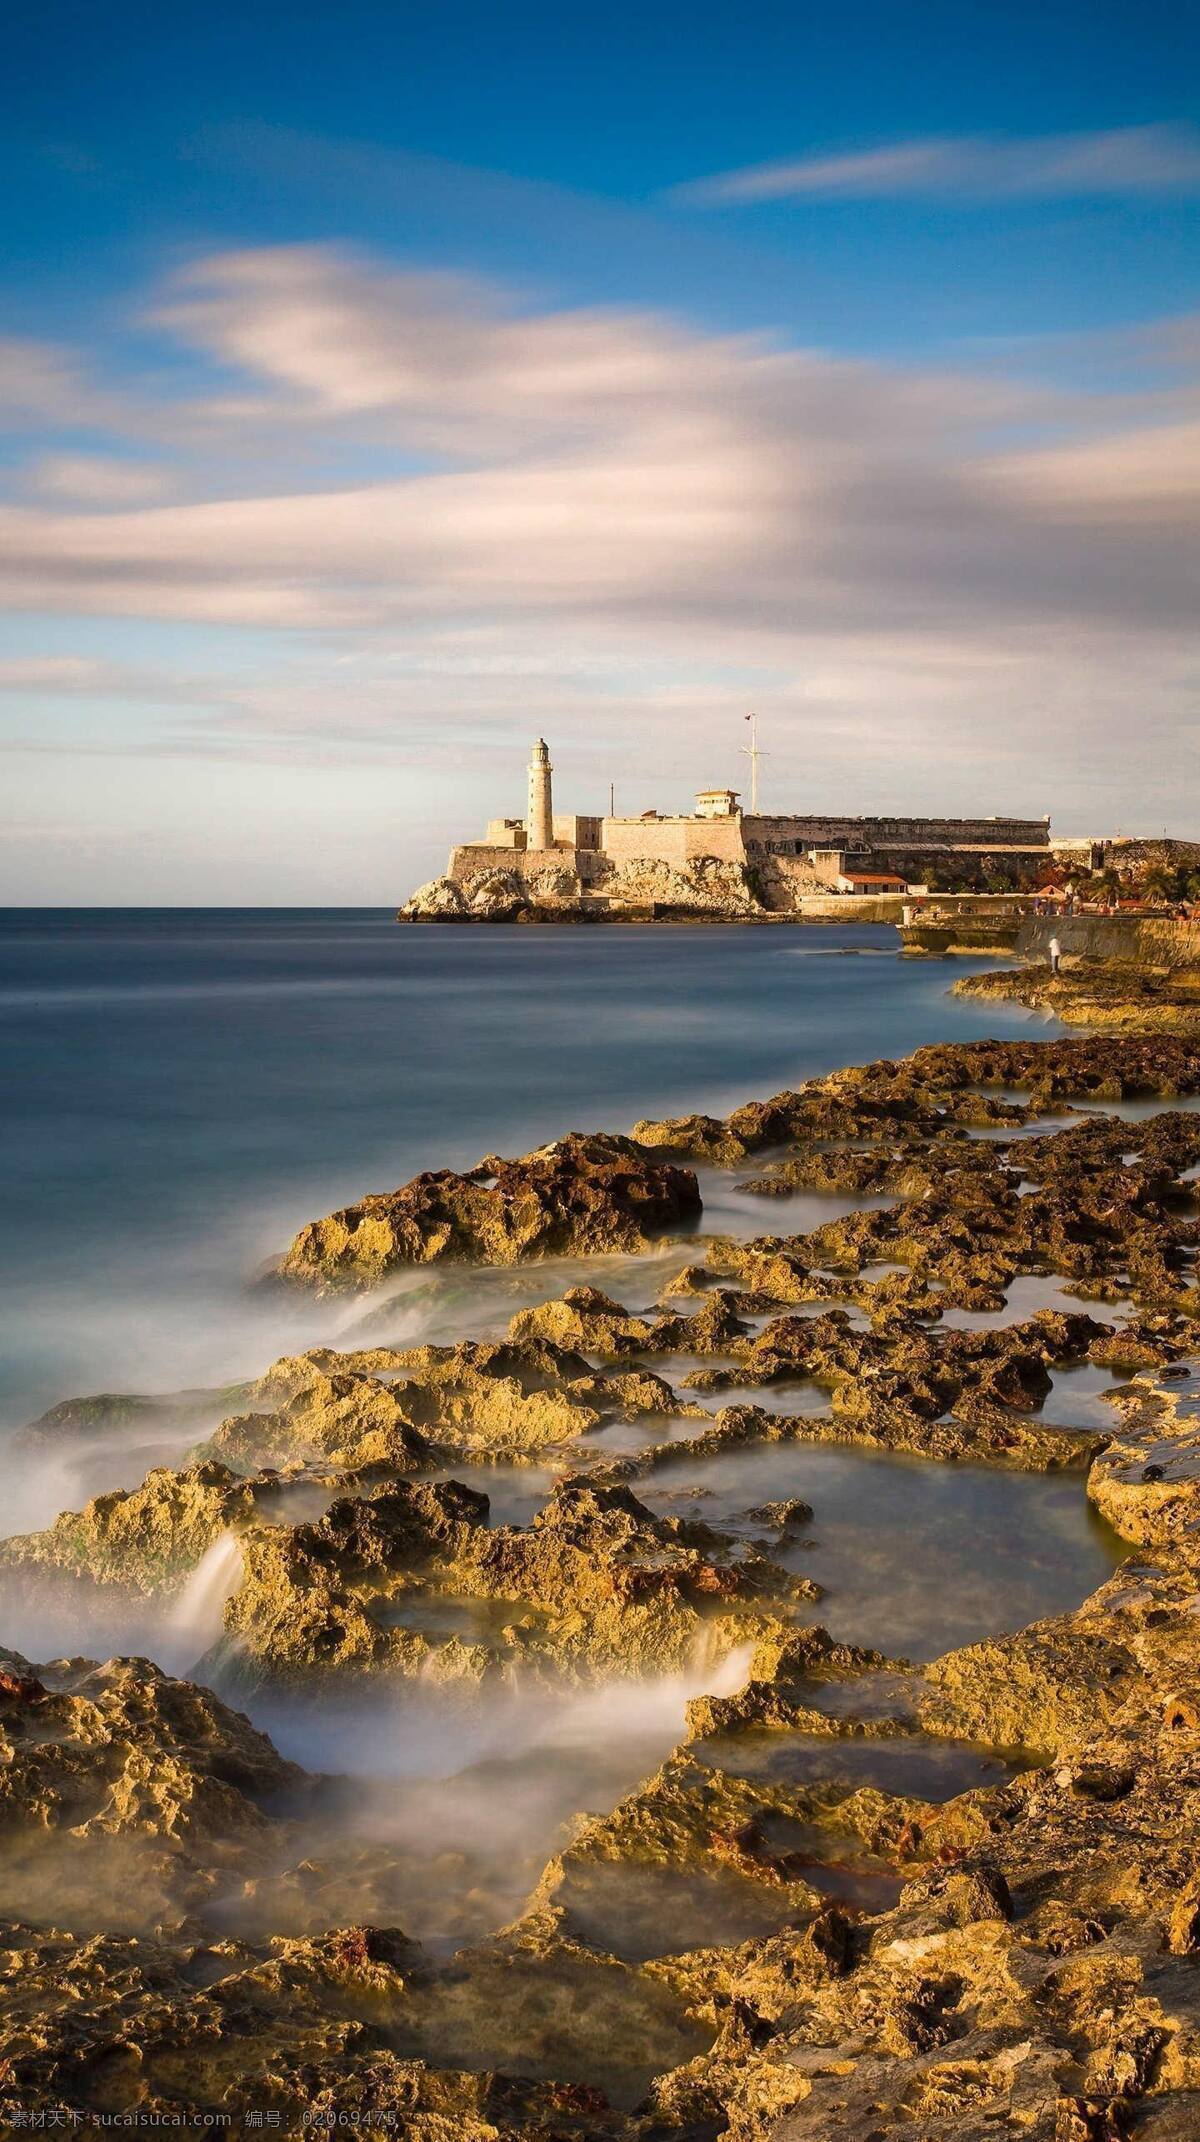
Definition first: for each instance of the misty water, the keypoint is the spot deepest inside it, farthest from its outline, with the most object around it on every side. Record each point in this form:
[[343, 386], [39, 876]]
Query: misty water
[[183, 1090]]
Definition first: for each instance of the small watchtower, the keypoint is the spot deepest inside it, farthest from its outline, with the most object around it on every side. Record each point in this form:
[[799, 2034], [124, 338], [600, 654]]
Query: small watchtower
[[718, 803]]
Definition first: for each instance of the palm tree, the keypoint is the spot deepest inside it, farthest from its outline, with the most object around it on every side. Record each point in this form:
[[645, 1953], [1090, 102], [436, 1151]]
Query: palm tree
[[1160, 884]]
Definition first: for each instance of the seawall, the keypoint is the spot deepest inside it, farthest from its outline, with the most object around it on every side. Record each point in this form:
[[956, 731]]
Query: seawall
[[1155, 943], [966, 922]]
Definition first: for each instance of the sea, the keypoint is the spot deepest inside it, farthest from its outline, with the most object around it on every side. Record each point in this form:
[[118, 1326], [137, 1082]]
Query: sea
[[182, 1089]]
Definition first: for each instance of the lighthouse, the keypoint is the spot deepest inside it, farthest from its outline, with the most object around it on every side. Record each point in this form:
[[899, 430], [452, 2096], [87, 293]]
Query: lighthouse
[[540, 821]]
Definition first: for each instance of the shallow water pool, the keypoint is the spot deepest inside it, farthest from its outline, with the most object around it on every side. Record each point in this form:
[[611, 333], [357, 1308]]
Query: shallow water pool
[[915, 1557], [1027, 1295]]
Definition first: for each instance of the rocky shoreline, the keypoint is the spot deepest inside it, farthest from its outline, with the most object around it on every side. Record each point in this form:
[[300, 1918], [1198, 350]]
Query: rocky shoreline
[[706, 890], [865, 1894], [1105, 995]]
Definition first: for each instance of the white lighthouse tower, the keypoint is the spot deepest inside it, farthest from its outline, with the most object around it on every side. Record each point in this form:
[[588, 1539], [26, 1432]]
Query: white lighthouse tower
[[539, 824]]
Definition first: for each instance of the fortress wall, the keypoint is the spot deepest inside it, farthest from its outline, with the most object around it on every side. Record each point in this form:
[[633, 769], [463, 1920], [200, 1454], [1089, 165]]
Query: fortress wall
[[676, 841], [643, 840], [841, 907], [595, 847], [883, 833], [573, 830], [1025, 864], [722, 837], [1128, 853], [592, 867], [475, 856]]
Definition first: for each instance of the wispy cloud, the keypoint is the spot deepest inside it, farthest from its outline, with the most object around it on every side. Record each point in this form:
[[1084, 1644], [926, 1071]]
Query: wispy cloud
[[54, 673], [64, 676], [659, 516], [613, 467], [41, 382], [97, 479], [1121, 160]]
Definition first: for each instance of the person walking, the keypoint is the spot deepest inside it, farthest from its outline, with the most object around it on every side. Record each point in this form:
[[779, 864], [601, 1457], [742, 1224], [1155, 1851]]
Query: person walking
[[1055, 957]]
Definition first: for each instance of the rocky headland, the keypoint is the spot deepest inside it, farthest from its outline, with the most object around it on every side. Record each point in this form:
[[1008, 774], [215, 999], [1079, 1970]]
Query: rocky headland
[[707, 888], [875, 1889]]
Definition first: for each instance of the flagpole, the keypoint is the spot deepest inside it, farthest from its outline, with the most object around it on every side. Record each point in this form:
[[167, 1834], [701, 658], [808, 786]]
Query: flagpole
[[752, 752]]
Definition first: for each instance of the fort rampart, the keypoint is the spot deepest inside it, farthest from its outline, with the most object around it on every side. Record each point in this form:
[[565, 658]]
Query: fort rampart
[[796, 835]]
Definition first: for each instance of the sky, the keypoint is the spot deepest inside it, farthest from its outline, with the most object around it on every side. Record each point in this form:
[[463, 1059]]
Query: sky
[[384, 386]]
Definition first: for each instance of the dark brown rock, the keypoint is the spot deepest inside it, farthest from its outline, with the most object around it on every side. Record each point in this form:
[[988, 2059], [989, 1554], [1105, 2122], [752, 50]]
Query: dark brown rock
[[581, 1195]]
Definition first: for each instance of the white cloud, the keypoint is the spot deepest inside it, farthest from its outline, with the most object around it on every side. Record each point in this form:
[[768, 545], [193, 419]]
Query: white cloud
[[623, 525], [445, 364], [97, 479], [1151, 475], [1120, 160], [618, 468]]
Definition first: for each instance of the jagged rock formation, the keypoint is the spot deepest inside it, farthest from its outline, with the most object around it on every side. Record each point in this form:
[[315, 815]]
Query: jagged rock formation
[[317, 1411], [577, 1196], [1145, 1479], [407, 1406], [1024, 1966], [146, 1539], [440, 900], [922, 1094], [123, 1750], [707, 887], [589, 1194]]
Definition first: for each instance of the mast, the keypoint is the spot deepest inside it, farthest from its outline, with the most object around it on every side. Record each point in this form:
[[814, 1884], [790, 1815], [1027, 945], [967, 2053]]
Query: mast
[[752, 752]]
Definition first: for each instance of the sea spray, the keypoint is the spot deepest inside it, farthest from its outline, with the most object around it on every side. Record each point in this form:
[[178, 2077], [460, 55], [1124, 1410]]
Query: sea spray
[[55, 1613], [197, 1616], [467, 1809]]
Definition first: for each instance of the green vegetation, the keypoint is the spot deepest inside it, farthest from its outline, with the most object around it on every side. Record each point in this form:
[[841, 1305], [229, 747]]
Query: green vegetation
[[1160, 884]]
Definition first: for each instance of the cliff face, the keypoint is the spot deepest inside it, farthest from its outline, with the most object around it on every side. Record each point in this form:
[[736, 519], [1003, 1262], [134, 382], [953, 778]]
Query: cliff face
[[708, 886]]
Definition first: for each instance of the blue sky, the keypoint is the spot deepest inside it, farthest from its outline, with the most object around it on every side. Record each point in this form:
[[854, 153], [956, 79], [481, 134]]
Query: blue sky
[[380, 387]]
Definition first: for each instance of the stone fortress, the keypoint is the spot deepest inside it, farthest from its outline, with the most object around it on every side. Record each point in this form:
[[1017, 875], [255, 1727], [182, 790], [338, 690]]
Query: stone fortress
[[715, 859]]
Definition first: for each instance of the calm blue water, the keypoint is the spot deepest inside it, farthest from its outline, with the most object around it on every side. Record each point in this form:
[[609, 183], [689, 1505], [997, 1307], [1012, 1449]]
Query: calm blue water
[[181, 1089]]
